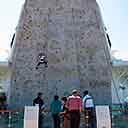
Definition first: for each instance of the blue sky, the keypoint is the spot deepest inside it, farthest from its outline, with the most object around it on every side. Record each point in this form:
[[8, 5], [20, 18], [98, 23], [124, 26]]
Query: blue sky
[[114, 12], [115, 15]]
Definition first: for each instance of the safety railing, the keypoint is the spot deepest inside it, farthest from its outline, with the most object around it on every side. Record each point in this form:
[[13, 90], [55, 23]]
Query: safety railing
[[11, 119], [14, 119], [119, 116]]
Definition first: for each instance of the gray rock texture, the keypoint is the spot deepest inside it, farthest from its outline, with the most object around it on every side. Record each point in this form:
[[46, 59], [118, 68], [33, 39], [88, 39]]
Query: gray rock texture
[[71, 35]]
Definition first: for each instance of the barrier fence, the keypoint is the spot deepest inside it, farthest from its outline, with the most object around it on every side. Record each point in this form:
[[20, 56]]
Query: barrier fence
[[14, 118]]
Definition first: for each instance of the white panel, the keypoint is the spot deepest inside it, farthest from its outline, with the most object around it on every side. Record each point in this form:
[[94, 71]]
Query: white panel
[[31, 116], [103, 117]]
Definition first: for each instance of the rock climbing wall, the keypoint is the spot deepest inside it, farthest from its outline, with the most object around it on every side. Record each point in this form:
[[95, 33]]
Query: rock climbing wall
[[70, 34]]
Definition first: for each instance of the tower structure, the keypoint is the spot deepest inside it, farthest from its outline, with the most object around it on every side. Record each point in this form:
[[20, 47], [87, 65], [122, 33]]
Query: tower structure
[[70, 35]]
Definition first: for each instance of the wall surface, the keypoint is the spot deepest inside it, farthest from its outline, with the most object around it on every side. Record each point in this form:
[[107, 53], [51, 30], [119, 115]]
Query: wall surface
[[71, 35]]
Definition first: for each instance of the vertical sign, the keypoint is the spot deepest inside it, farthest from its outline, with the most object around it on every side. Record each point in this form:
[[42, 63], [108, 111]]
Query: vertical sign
[[31, 116], [103, 117]]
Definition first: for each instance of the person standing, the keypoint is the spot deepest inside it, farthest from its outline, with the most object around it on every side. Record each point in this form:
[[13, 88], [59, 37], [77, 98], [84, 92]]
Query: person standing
[[55, 108], [39, 101], [88, 106], [3, 101], [74, 105], [64, 112]]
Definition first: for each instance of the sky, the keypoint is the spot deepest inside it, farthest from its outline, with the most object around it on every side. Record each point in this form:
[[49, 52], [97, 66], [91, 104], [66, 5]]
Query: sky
[[114, 13]]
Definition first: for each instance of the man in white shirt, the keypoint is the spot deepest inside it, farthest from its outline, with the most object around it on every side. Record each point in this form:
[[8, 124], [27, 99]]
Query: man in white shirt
[[88, 106]]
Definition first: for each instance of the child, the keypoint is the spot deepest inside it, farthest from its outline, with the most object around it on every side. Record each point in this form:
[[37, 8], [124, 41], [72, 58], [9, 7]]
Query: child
[[64, 112]]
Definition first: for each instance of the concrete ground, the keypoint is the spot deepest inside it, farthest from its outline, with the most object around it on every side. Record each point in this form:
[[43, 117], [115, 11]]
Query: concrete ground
[[16, 121]]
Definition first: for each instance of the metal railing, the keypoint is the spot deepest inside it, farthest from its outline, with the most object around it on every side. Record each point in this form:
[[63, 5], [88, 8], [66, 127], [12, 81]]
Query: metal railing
[[14, 119]]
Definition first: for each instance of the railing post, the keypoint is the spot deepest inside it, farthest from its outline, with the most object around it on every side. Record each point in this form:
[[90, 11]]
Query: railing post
[[9, 120], [87, 119]]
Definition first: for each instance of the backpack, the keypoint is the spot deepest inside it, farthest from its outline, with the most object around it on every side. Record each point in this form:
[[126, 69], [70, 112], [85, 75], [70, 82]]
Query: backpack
[[88, 98]]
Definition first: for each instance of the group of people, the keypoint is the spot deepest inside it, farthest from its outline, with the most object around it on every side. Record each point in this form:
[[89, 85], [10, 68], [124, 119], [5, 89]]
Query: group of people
[[69, 109]]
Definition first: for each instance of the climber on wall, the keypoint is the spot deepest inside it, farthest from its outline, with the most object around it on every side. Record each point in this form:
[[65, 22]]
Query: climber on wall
[[42, 60]]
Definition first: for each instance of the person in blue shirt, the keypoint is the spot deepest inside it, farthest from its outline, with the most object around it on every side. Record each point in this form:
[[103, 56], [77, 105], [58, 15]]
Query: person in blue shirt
[[55, 108], [88, 106]]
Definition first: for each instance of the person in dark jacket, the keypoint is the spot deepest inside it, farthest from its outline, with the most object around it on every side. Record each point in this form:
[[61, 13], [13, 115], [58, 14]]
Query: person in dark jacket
[[39, 101], [3, 101], [55, 108]]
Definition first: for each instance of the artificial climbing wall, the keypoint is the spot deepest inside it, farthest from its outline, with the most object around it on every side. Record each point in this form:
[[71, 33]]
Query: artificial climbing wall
[[70, 34]]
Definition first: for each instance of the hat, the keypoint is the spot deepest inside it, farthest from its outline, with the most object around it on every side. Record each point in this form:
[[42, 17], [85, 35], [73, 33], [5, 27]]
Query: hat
[[74, 90]]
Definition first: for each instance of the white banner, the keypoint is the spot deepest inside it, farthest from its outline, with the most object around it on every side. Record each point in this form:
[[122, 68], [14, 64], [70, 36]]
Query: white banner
[[103, 117], [31, 117]]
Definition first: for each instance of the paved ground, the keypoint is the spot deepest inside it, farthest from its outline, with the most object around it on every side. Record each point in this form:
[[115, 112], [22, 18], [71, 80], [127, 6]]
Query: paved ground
[[16, 121]]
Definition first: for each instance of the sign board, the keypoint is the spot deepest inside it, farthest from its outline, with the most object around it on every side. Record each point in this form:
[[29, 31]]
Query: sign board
[[103, 117], [31, 116]]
